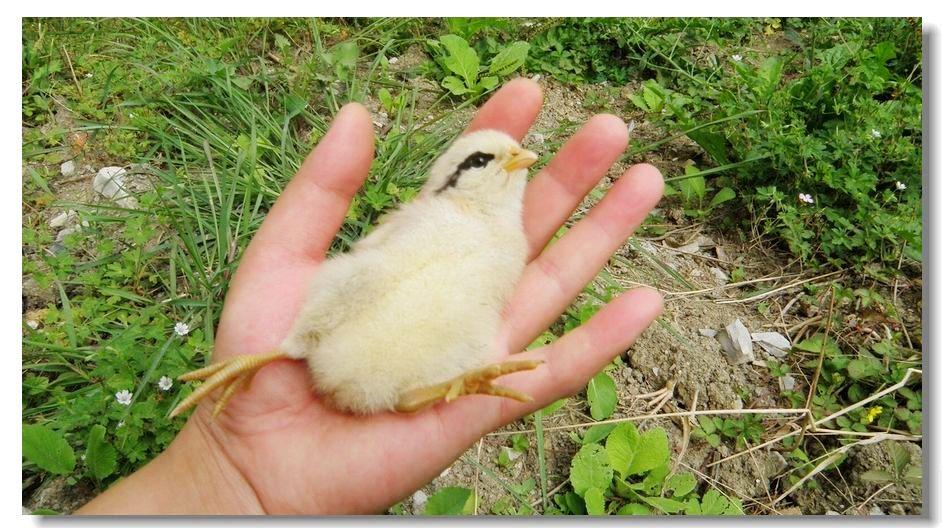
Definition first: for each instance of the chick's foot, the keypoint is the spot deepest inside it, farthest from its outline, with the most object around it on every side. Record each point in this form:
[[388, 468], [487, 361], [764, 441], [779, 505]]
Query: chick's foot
[[230, 375], [479, 381]]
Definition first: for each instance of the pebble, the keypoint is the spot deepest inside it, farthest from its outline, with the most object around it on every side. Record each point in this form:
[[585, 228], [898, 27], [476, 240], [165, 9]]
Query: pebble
[[393, 60], [788, 382], [67, 168], [419, 499], [32, 324], [736, 342], [110, 182], [875, 510], [63, 219]]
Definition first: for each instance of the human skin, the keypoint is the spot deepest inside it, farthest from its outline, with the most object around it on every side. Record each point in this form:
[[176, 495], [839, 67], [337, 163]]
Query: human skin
[[278, 449]]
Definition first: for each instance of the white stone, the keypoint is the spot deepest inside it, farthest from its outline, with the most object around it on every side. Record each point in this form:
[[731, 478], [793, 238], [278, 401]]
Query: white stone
[[788, 382], [32, 324], [63, 219], [419, 499], [67, 168], [111, 183], [736, 342]]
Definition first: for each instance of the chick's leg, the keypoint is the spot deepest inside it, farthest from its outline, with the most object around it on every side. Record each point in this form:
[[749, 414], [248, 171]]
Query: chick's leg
[[229, 375], [478, 381]]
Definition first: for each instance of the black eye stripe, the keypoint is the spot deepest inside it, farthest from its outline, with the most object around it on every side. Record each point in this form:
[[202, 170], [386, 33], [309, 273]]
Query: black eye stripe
[[474, 161]]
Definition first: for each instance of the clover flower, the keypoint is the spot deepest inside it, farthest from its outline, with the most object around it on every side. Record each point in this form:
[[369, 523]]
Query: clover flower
[[123, 397], [900, 186], [181, 329], [875, 133], [165, 383], [737, 57], [805, 198]]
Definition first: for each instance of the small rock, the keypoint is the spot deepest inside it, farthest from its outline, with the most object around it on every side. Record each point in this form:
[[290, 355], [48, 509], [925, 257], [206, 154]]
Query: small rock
[[67, 168], [60, 237], [536, 78], [538, 138], [656, 371], [110, 182], [788, 382], [721, 277], [445, 473], [690, 248], [382, 119], [419, 499], [708, 332], [774, 343], [831, 512], [736, 343], [393, 60], [32, 324], [63, 219], [875, 510]]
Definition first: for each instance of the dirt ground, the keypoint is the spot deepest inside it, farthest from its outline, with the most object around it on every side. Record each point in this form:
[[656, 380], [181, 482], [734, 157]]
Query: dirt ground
[[672, 352]]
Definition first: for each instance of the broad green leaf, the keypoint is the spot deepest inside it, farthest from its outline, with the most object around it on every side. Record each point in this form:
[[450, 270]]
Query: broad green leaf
[[602, 396], [621, 446], [724, 195], [693, 188], [455, 85], [489, 82], [634, 508], [665, 505], [816, 342], [509, 59], [294, 105], [574, 503], [595, 501], [861, 368], [652, 451], [462, 60], [590, 469], [100, 456], [597, 433], [448, 501], [681, 483], [47, 449], [713, 503], [639, 102], [770, 72], [713, 143]]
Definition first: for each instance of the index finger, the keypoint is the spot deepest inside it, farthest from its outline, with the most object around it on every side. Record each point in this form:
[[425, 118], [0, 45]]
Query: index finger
[[512, 109]]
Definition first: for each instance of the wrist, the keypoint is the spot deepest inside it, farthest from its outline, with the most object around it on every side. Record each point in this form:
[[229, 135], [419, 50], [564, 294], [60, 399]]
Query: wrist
[[193, 476]]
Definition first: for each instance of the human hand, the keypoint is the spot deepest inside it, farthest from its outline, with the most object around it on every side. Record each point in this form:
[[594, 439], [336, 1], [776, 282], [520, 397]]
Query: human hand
[[278, 449]]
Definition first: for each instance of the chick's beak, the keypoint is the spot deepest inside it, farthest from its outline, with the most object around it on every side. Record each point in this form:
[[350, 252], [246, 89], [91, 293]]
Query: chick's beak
[[520, 159]]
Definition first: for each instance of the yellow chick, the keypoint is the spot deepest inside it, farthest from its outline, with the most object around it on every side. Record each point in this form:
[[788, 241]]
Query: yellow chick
[[409, 315]]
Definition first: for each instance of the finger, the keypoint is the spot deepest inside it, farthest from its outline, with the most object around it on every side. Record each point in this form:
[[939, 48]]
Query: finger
[[512, 109], [569, 364], [553, 193], [553, 279], [577, 356], [311, 209]]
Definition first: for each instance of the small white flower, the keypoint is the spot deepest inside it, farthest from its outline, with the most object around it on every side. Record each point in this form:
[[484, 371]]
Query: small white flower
[[528, 24], [165, 383], [83, 457], [181, 329], [737, 57], [393, 60], [123, 397], [88, 75], [875, 133], [131, 115], [900, 186], [805, 198], [120, 424]]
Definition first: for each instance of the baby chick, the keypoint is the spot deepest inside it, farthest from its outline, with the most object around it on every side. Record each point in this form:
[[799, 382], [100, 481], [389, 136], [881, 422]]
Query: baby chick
[[409, 315]]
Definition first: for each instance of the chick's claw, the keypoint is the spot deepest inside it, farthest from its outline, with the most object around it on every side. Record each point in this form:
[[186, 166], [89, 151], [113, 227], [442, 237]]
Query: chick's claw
[[479, 381], [230, 375]]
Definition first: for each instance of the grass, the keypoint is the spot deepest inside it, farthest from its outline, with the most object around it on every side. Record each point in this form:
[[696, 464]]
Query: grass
[[217, 114]]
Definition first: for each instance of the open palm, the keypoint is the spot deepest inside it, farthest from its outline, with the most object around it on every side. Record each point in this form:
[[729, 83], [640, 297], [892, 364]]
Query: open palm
[[299, 456]]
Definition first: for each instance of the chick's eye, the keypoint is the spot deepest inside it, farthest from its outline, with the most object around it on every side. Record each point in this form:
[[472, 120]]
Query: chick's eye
[[476, 161]]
